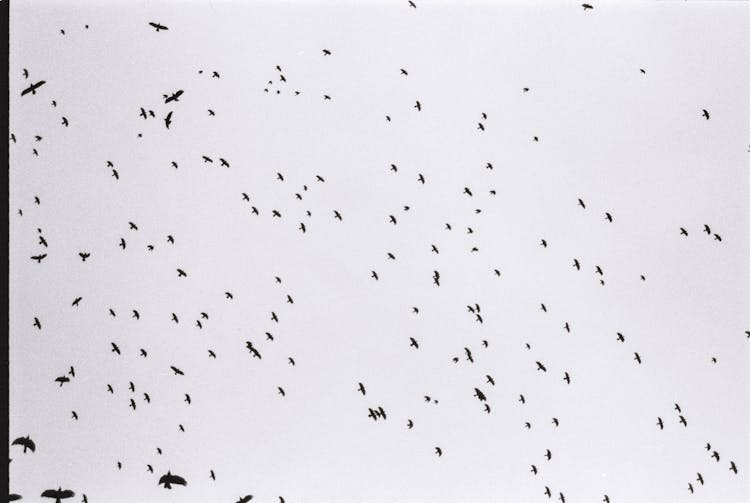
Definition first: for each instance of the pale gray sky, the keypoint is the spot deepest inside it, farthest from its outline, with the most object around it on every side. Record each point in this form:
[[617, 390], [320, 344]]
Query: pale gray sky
[[631, 144]]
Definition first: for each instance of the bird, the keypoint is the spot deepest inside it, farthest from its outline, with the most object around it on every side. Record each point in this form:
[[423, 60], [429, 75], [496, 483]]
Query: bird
[[26, 442], [62, 380], [65, 122], [326, 52], [683, 231], [212, 475], [566, 378], [608, 216], [717, 237], [555, 421], [677, 407], [438, 451], [176, 370], [77, 301], [413, 343], [660, 423], [39, 258], [637, 358], [541, 367], [480, 396], [733, 467], [175, 96], [115, 348], [84, 256], [690, 488], [32, 88], [576, 264], [168, 480], [181, 273], [620, 337], [361, 389], [409, 424], [533, 469], [581, 203], [683, 421], [418, 106], [700, 478], [58, 494], [716, 456], [587, 6], [707, 229], [37, 323], [245, 499], [281, 391], [168, 120], [706, 114], [158, 27]]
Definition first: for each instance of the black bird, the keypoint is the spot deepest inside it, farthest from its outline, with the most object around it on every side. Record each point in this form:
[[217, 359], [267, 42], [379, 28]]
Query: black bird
[[705, 114], [660, 423], [438, 451], [374, 275], [168, 120], [490, 380], [567, 327], [281, 391], [410, 424], [468, 354], [109, 388], [637, 358], [37, 323], [84, 256], [173, 97], [413, 343], [717, 237], [690, 488], [143, 114], [74, 414], [176, 371], [585, 7], [181, 273], [115, 348], [212, 475], [555, 421], [39, 258], [581, 203], [733, 467], [58, 494], [700, 478], [326, 52], [707, 229], [26, 442], [683, 421], [224, 162], [683, 231], [62, 380], [716, 456], [211, 354], [132, 404], [418, 106], [123, 244], [480, 396], [576, 264], [158, 26], [620, 337], [541, 367], [533, 469], [245, 499], [252, 349], [32, 88], [608, 216], [677, 407], [566, 378], [168, 480], [362, 389], [548, 455]]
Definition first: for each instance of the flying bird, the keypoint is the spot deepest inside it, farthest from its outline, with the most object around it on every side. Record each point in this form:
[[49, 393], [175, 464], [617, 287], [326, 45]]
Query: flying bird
[[158, 27], [32, 88], [168, 480], [26, 442], [58, 494]]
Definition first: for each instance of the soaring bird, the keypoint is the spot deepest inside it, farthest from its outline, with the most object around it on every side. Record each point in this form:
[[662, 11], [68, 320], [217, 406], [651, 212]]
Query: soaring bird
[[683, 421], [637, 358], [84, 256], [62, 380], [168, 480], [566, 378], [700, 478], [158, 27], [733, 467], [438, 451], [176, 370], [175, 96], [620, 337], [586, 6], [660, 423], [548, 455], [581, 203], [168, 120], [245, 499], [706, 114], [361, 389], [413, 343], [480, 396], [26, 442], [115, 348], [410, 424], [683, 231], [541, 367], [58, 494], [418, 106], [32, 88]]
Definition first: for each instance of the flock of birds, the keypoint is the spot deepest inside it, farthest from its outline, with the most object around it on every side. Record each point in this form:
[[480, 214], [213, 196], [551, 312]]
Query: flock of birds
[[135, 396]]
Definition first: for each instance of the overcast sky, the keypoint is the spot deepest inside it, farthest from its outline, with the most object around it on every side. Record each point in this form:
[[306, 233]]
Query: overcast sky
[[631, 144]]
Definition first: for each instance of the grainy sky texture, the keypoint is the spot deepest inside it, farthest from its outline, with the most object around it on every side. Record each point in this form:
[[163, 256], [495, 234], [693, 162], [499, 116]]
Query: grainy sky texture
[[629, 143]]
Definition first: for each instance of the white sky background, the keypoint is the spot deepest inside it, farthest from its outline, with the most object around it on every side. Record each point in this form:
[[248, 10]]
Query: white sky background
[[630, 144]]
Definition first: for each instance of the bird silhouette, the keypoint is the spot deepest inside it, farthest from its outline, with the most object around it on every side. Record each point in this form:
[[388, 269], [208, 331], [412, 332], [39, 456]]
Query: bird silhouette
[[158, 27], [26, 442], [168, 480], [58, 494]]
